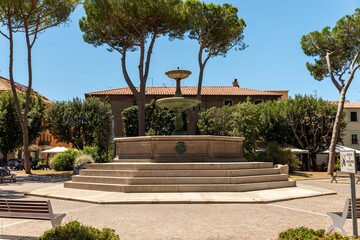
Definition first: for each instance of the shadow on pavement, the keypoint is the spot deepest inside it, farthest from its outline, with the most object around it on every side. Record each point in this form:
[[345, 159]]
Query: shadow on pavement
[[10, 194], [35, 179], [17, 237]]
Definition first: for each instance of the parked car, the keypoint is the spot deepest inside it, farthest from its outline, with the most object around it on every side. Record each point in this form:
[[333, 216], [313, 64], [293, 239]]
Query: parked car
[[15, 163]]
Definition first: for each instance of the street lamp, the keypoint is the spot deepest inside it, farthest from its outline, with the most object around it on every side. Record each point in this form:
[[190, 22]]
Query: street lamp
[[108, 114]]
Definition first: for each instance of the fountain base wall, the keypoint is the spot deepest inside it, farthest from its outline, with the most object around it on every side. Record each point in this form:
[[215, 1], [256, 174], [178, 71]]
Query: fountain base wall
[[187, 148]]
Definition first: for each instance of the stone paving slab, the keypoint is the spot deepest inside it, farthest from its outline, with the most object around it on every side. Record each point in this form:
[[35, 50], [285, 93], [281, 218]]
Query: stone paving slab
[[181, 221], [259, 196]]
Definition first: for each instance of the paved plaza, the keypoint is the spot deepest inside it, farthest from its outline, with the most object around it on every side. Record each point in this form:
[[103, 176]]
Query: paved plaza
[[181, 221]]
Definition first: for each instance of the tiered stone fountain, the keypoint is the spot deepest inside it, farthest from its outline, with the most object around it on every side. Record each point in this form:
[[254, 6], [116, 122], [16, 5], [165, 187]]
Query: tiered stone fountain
[[179, 163]]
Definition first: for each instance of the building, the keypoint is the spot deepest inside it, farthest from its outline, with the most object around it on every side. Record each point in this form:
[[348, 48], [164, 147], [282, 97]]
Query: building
[[352, 130], [122, 98], [45, 139]]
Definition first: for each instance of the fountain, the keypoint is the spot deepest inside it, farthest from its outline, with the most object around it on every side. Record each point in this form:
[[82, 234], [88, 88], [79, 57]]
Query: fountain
[[179, 162], [178, 102]]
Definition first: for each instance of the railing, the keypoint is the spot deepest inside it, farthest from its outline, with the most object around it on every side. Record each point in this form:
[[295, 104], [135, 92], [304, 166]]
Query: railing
[[44, 142]]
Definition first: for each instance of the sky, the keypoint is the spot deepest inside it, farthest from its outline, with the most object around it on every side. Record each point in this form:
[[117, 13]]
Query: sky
[[64, 66]]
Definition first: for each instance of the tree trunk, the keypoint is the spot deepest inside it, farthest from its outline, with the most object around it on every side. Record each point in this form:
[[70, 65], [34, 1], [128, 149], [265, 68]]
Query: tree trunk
[[305, 160], [22, 119], [195, 114], [335, 132], [26, 151], [141, 114], [5, 158], [313, 160], [24, 124]]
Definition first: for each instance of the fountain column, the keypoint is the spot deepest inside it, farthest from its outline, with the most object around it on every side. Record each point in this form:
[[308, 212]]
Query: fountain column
[[178, 102]]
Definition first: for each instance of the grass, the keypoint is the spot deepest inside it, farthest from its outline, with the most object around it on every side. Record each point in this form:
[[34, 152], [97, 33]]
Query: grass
[[52, 173], [307, 175]]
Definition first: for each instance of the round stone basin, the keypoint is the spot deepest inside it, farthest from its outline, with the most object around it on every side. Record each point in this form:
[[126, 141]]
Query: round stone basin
[[178, 74], [178, 102]]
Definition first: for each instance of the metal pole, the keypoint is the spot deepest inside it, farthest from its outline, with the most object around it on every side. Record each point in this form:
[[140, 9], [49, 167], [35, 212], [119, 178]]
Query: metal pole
[[112, 137], [353, 204], [107, 138]]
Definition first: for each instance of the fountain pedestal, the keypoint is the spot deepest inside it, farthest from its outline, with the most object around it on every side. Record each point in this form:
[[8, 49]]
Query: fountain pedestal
[[185, 148]]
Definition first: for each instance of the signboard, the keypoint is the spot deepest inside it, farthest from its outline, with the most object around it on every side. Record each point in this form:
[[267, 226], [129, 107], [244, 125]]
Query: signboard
[[348, 162]]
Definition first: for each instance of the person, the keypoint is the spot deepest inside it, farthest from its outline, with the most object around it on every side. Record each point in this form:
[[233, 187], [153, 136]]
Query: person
[[16, 165], [7, 172], [7, 167]]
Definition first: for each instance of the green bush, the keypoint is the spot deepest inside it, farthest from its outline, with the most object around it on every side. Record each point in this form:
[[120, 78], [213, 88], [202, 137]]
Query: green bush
[[75, 230], [278, 155], [311, 234], [216, 121], [98, 155], [240, 120], [64, 161], [158, 120], [246, 124], [83, 158]]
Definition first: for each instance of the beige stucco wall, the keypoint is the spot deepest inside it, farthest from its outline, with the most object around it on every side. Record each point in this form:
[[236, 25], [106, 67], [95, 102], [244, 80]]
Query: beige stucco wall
[[352, 128], [119, 103]]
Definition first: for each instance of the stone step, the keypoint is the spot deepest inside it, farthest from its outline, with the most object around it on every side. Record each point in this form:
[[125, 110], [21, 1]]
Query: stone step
[[179, 160], [180, 166], [180, 187], [179, 173], [179, 180], [133, 160]]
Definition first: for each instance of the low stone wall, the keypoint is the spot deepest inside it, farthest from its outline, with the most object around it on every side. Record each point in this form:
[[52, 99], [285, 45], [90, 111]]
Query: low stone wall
[[180, 148]]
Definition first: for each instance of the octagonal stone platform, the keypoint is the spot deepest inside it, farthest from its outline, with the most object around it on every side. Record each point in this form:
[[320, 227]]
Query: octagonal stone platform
[[180, 164]]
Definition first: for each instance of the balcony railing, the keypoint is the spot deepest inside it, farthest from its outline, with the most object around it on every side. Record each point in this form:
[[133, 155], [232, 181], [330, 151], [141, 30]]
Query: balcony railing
[[47, 143]]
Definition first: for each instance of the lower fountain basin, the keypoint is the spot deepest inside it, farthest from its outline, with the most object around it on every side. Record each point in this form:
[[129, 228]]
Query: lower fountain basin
[[178, 103], [186, 148]]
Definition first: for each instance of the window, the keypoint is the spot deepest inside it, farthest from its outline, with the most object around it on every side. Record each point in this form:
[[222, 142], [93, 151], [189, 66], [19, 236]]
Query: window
[[353, 116], [257, 101], [354, 139], [228, 102]]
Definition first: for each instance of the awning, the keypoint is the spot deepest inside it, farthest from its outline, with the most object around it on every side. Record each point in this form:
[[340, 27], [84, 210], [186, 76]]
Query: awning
[[293, 150], [55, 150], [340, 148]]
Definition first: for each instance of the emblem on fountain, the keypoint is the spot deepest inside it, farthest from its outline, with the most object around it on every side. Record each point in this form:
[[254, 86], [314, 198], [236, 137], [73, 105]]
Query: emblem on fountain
[[179, 103]]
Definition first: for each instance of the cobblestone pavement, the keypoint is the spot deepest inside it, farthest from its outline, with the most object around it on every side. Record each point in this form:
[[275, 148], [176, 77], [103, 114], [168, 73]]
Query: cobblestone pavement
[[182, 221]]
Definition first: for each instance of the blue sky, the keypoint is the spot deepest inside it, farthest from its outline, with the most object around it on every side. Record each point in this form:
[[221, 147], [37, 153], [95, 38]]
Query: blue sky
[[65, 66]]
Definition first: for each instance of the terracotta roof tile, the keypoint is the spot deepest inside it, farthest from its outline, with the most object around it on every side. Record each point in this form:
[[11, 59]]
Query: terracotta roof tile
[[347, 104], [5, 86], [190, 91]]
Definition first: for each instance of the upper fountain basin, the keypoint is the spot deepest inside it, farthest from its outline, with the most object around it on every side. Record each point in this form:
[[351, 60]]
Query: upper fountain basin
[[178, 73], [179, 103]]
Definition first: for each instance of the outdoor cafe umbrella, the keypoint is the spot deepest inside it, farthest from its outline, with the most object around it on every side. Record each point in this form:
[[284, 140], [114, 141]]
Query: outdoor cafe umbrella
[[340, 148], [55, 150]]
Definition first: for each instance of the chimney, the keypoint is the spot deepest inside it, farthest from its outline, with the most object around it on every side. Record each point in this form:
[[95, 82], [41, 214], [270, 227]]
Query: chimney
[[235, 83]]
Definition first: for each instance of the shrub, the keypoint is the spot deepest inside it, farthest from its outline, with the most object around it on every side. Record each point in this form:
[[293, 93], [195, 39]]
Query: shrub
[[98, 155], [240, 120], [246, 124], [158, 120], [216, 121], [83, 158], [75, 230], [93, 152], [278, 155], [64, 161], [311, 234]]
